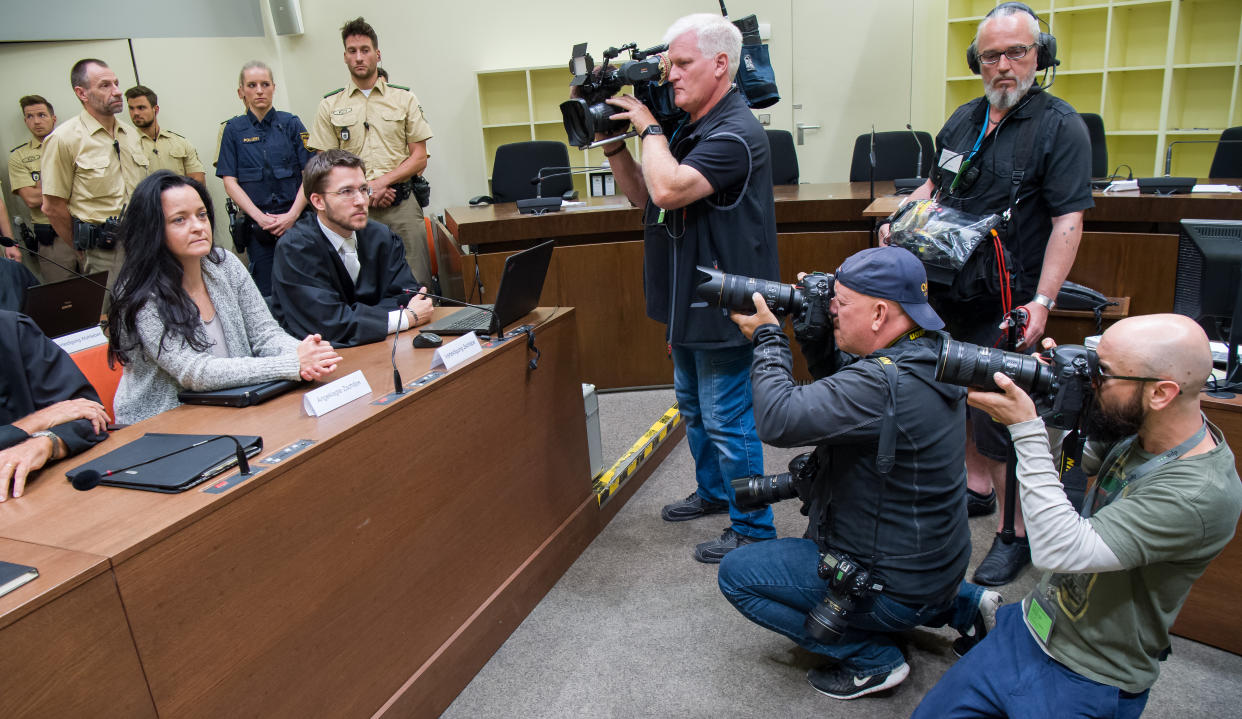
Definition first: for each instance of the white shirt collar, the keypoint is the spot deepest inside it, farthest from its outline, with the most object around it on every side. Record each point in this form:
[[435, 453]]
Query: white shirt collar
[[337, 240]]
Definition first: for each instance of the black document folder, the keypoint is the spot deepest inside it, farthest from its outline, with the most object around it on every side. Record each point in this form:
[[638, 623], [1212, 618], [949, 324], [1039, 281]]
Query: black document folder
[[13, 576], [175, 473]]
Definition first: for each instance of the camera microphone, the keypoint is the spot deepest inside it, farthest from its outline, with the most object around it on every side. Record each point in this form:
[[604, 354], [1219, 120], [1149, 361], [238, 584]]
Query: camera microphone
[[10, 242], [90, 478]]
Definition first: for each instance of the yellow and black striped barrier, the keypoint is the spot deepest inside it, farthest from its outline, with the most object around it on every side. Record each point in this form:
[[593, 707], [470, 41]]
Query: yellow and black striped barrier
[[609, 482]]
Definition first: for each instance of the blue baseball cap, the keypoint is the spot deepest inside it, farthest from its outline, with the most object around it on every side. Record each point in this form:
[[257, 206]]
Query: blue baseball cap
[[891, 273]]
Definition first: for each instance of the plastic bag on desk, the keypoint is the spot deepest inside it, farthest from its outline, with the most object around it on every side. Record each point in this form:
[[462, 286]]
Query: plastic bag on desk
[[942, 237]]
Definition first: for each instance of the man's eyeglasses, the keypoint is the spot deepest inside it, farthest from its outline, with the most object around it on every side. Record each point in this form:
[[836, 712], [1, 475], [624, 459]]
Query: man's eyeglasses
[[1101, 377], [1017, 52], [349, 193]]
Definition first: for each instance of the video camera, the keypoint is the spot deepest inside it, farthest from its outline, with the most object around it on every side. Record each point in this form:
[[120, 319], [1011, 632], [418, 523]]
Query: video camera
[[806, 303], [1062, 389], [588, 113]]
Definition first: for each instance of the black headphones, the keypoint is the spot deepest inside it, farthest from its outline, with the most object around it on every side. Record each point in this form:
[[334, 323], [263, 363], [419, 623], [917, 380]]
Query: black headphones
[[1046, 56]]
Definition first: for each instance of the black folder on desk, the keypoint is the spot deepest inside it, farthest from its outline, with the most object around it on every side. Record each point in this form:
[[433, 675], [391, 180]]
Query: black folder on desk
[[175, 473], [244, 396]]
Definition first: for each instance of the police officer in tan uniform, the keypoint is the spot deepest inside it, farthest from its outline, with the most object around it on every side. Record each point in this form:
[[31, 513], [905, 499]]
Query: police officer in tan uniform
[[25, 177], [91, 165], [164, 148], [384, 125]]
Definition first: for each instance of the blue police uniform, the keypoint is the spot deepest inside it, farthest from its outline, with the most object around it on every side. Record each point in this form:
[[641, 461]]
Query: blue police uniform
[[266, 156]]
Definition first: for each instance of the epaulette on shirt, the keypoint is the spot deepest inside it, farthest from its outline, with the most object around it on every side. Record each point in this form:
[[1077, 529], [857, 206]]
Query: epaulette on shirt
[[330, 94], [15, 149], [178, 134], [399, 87]]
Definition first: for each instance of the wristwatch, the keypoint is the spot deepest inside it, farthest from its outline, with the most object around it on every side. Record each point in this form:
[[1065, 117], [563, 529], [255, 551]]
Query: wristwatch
[[50, 435], [652, 129], [1044, 300]]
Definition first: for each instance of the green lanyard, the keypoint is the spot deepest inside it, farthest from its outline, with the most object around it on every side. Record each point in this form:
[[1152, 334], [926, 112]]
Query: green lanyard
[[1110, 484]]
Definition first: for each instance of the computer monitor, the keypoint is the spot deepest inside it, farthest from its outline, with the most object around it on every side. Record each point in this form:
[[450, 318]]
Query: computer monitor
[[1209, 271]]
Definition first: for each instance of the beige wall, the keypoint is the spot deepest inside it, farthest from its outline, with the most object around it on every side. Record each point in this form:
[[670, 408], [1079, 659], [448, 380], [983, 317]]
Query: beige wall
[[436, 49]]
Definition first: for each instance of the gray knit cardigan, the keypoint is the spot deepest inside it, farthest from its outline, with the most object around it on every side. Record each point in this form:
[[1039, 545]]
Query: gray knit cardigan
[[259, 349]]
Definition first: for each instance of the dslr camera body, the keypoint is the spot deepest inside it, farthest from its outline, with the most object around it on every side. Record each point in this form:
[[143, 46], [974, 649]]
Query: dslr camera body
[[588, 114]]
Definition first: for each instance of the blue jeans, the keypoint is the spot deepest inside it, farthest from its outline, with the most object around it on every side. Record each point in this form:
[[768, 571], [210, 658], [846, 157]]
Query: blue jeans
[[713, 395], [775, 584], [1009, 675]]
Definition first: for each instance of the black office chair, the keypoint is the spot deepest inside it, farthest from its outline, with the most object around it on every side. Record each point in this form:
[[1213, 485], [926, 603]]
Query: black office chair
[[784, 157], [896, 155], [518, 163], [1227, 163], [1099, 146]]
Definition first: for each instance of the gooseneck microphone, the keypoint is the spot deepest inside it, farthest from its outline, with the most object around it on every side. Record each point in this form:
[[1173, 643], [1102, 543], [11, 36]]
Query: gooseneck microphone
[[10, 242], [495, 318], [90, 478], [918, 167]]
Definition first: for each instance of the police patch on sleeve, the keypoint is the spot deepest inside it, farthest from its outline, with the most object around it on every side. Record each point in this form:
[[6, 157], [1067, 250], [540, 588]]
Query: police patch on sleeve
[[305, 139]]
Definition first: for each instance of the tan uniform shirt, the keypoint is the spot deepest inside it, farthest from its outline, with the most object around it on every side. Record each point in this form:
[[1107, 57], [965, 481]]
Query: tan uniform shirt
[[25, 162], [170, 151], [83, 165], [379, 128]]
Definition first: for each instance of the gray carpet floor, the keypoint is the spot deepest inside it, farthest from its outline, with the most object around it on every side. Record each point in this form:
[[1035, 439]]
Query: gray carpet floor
[[637, 628]]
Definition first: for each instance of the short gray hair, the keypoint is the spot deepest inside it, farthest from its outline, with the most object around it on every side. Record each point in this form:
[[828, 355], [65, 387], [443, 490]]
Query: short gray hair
[[1009, 11], [715, 35], [253, 65]]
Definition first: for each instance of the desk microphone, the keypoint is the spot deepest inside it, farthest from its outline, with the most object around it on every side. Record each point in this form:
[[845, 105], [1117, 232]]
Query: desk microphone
[[10, 242], [1168, 155], [918, 167], [90, 478], [495, 318], [546, 173]]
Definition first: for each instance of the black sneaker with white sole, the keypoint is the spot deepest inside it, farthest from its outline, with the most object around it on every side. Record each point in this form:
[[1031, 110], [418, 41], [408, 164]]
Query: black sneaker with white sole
[[985, 621], [840, 683]]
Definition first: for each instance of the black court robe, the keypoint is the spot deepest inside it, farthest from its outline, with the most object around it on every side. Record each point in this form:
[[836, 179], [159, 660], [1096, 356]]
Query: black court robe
[[14, 279], [313, 294], [36, 373]]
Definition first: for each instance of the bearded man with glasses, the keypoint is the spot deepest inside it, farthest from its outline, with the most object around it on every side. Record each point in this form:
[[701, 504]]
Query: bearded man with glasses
[[1020, 151], [1089, 639], [340, 271]]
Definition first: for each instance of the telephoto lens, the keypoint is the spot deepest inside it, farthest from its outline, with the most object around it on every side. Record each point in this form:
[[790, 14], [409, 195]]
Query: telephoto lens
[[967, 365], [734, 292], [759, 491]]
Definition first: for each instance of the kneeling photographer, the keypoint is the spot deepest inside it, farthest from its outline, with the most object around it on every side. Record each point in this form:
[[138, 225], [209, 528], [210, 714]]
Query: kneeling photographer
[[1089, 639], [887, 545]]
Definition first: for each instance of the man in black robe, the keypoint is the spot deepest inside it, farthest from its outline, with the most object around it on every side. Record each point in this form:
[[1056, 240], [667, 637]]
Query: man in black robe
[[339, 274], [48, 410]]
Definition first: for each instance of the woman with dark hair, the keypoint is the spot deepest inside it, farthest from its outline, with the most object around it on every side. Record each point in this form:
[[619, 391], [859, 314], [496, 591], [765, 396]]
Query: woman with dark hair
[[186, 314]]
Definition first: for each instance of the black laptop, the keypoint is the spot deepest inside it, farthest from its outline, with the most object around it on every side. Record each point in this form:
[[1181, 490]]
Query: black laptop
[[244, 396], [60, 308], [521, 283]]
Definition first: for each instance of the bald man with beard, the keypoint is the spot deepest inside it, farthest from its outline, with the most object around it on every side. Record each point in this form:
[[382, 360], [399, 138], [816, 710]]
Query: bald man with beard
[[1089, 639]]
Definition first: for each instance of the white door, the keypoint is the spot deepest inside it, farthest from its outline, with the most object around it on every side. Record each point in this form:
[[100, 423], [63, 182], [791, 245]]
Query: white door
[[852, 69]]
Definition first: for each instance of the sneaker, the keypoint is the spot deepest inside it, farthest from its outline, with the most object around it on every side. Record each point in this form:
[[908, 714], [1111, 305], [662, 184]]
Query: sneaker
[[980, 505], [691, 507], [985, 621], [1003, 563], [712, 551], [840, 683]]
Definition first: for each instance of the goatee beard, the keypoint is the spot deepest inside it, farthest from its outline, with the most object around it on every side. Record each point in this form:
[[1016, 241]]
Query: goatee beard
[[1007, 99]]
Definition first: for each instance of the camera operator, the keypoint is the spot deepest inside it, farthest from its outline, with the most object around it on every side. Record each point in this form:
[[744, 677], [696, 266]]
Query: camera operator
[[707, 197], [888, 494], [1016, 148], [1089, 638]]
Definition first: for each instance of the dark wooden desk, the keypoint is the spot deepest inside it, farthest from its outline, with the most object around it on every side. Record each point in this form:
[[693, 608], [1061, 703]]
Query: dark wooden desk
[[374, 572], [1129, 249]]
